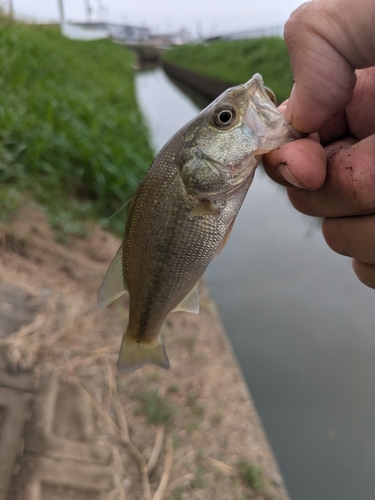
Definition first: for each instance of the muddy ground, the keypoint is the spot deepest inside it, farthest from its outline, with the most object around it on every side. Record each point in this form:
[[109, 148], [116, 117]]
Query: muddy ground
[[188, 433]]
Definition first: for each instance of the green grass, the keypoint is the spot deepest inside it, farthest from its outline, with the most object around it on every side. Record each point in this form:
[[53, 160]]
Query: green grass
[[251, 474], [70, 127], [156, 409], [236, 61]]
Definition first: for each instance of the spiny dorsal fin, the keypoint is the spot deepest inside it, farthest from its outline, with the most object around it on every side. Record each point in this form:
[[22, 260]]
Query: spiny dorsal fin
[[190, 302], [134, 354], [113, 282]]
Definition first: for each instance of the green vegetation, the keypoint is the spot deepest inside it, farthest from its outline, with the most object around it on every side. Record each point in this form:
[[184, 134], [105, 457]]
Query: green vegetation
[[199, 480], [70, 128], [177, 493], [156, 409], [251, 474], [236, 61]]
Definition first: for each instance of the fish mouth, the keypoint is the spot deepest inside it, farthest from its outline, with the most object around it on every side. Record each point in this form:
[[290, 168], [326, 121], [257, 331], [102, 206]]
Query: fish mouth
[[256, 85], [263, 117]]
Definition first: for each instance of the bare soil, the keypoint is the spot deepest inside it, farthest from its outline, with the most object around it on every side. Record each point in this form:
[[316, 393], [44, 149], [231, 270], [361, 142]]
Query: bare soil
[[180, 434]]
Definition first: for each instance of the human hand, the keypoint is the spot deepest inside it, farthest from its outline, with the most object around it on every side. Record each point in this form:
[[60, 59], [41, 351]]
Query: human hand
[[337, 181]]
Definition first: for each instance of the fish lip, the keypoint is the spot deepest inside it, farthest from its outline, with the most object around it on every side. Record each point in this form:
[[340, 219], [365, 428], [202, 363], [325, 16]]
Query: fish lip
[[257, 82]]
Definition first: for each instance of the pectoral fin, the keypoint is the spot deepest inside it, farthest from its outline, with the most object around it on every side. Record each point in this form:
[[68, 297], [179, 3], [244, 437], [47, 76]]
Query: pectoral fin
[[113, 283], [205, 207], [134, 355], [190, 302]]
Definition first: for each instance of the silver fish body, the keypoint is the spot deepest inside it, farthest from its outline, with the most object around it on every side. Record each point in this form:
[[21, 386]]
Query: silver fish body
[[183, 211]]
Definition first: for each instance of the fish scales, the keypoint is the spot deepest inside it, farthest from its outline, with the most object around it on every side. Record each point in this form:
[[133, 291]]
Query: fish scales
[[183, 211]]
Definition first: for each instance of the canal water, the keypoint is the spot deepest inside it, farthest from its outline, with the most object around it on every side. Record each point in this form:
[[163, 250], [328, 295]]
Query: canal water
[[300, 323]]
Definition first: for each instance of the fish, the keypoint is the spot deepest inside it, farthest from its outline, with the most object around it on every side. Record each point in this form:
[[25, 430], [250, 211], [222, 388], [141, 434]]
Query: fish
[[183, 211]]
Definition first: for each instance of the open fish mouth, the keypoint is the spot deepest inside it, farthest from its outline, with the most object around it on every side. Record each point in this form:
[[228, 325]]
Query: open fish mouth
[[255, 84]]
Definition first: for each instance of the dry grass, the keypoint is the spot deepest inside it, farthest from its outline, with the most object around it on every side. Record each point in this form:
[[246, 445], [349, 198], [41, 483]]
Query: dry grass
[[192, 454]]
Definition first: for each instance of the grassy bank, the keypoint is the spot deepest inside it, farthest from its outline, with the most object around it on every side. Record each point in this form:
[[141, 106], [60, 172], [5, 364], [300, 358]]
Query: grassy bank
[[236, 61], [70, 128]]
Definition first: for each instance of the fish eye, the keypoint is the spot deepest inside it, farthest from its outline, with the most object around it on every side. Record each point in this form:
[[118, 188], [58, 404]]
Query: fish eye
[[223, 117], [271, 95]]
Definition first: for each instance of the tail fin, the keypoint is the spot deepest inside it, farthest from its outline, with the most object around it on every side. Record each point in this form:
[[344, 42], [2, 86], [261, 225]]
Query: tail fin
[[134, 354]]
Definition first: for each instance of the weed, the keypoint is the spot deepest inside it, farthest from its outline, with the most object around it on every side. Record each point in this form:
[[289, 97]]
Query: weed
[[173, 388], [177, 492], [200, 455], [251, 474], [199, 480], [193, 424], [10, 200], [196, 409], [191, 400], [217, 418], [156, 409]]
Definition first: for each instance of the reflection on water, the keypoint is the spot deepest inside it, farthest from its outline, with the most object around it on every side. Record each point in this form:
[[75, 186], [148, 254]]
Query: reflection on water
[[301, 325]]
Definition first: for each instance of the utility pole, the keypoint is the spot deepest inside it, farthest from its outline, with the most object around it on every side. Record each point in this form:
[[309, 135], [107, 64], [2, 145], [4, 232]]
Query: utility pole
[[10, 9], [100, 9], [61, 11], [88, 11]]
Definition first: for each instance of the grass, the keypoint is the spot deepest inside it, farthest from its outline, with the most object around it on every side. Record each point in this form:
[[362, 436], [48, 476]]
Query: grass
[[251, 474], [236, 61], [70, 127], [156, 409], [199, 480]]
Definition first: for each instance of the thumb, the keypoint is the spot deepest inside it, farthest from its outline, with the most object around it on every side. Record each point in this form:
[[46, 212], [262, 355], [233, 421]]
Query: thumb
[[327, 41]]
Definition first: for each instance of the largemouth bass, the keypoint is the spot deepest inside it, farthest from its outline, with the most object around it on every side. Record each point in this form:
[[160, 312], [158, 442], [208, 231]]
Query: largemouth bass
[[183, 211]]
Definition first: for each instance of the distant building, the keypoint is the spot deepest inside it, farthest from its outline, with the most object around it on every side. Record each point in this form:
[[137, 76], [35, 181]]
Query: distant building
[[123, 32], [167, 39]]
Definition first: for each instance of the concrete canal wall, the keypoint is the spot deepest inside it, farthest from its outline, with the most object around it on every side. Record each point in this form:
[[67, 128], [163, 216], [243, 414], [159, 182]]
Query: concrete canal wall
[[207, 86]]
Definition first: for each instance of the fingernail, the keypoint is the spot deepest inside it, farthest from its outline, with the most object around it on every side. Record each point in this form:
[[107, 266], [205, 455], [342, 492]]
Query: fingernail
[[288, 114], [284, 172]]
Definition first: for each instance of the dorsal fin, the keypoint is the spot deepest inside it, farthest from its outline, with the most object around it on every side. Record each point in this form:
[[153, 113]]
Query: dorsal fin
[[190, 302], [113, 283]]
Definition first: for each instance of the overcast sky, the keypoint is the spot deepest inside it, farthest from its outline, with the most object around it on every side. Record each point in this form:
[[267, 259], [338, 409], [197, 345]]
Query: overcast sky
[[208, 16]]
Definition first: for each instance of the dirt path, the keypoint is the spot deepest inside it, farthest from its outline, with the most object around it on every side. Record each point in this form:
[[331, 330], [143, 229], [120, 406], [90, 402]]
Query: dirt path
[[188, 433]]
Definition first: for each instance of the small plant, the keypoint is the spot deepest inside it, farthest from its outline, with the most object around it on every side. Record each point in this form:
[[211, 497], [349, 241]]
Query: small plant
[[251, 474], [173, 388], [156, 409], [196, 408], [200, 455], [177, 493], [199, 480], [193, 425], [191, 400], [217, 418]]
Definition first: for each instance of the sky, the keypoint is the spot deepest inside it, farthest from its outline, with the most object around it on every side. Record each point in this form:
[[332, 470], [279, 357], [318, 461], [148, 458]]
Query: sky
[[206, 17]]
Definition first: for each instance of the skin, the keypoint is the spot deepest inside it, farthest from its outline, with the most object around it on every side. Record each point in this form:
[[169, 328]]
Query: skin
[[331, 173]]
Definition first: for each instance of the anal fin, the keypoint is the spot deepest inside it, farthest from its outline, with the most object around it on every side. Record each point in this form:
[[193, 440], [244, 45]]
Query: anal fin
[[190, 302]]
